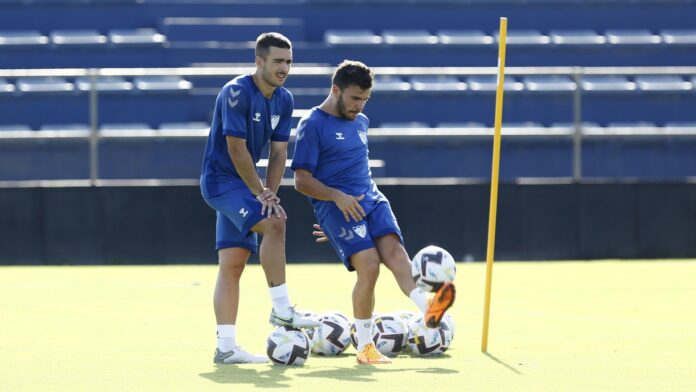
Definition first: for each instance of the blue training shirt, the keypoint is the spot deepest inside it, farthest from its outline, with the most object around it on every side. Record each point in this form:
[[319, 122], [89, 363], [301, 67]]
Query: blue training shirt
[[336, 152], [242, 111]]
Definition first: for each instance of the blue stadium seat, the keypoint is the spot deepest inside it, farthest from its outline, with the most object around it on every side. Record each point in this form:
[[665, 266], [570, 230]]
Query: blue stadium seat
[[136, 37], [126, 129], [84, 128], [110, 84], [662, 83], [470, 124], [678, 37], [404, 124], [162, 83], [549, 83], [680, 127], [77, 37], [522, 127], [44, 85], [576, 37], [602, 83], [6, 87], [488, 83], [632, 37], [525, 37], [22, 38], [390, 83], [351, 37], [408, 37], [587, 127], [185, 126], [631, 128], [437, 83], [14, 128], [228, 29], [464, 37]]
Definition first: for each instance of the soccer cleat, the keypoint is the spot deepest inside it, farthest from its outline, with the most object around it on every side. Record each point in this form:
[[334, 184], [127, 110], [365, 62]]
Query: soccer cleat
[[294, 319], [237, 355], [443, 300], [370, 356]]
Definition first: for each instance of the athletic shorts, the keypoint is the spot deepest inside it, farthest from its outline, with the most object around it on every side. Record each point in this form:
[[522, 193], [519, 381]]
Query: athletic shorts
[[349, 238], [237, 212]]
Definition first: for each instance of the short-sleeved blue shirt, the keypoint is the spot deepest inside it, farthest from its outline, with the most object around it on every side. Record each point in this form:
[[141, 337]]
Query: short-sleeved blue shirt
[[336, 152], [242, 111]]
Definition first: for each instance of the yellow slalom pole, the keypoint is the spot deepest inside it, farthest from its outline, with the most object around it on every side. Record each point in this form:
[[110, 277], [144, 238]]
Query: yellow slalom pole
[[494, 181]]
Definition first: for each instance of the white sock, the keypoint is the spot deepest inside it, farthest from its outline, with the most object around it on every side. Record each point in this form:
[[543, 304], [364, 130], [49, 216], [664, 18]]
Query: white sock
[[226, 337], [281, 301], [419, 298], [363, 327]]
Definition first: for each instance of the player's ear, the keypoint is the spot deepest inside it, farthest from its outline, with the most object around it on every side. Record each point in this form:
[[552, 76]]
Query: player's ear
[[259, 62], [335, 90]]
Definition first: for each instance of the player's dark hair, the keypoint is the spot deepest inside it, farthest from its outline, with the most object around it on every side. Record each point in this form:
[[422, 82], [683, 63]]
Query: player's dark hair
[[351, 72], [266, 40]]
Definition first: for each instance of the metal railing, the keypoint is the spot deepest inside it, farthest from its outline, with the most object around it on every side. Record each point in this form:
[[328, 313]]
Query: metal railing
[[576, 73]]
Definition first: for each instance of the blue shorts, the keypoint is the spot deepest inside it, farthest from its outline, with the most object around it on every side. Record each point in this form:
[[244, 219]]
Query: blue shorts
[[237, 212], [349, 238]]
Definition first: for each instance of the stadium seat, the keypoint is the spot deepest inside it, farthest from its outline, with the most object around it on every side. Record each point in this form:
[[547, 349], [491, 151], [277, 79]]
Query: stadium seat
[[390, 83], [607, 83], [44, 85], [631, 128], [678, 37], [351, 37], [437, 83], [162, 83], [464, 37], [20, 38], [587, 127], [469, 124], [408, 37], [126, 130], [136, 37], [489, 83], [525, 37], [576, 37], [186, 126], [77, 37], [632, 37], [550, 83], [404, 124], [14, 128], [522, 127], [111, 83], [680, 127], [662, 83], [6, 87], [65, 127]]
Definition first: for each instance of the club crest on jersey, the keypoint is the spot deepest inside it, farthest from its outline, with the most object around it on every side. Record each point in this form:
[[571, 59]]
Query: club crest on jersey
[[275, 119], [363, 136], [360, 230]]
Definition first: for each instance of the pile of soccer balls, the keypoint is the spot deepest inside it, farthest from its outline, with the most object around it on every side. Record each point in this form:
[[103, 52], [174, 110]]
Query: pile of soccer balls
[[393, 333]]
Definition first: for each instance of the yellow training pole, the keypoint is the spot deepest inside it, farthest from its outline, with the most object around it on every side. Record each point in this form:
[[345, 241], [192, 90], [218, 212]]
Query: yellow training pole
[[494, 181]]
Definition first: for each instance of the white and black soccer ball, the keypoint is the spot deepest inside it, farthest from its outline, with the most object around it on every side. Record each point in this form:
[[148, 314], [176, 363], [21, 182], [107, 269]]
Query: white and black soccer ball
[[311, 332], [430, 342], [288, 346], [404, 315], [332, 336], [390, 334], [431, 267]]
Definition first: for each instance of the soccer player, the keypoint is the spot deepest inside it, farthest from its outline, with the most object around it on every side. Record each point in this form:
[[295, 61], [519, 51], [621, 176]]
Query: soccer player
[[250, 111], [331, 167]]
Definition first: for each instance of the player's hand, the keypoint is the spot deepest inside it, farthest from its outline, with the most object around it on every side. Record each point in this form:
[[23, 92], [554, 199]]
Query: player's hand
[[319, 233], [270, 204], [350, 207]]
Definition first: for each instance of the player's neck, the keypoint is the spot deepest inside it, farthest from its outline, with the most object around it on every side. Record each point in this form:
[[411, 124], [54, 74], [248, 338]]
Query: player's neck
[[265, 88], [329, 106]]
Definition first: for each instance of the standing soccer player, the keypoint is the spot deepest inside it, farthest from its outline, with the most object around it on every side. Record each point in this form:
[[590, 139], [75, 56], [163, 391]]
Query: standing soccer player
[[331, 167], [250, 111]]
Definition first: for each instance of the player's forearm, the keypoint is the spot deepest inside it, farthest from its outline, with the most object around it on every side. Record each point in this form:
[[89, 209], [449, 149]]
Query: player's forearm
[[310, 186], [275, 170], [241, 159]]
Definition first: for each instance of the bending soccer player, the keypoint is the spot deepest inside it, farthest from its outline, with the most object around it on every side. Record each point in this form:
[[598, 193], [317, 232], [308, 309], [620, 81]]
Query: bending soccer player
[[331, 167], [250, 111]]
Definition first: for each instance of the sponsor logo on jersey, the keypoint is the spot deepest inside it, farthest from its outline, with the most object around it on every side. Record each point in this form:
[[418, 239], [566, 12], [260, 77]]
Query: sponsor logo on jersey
[[257, 117], [339, 136]]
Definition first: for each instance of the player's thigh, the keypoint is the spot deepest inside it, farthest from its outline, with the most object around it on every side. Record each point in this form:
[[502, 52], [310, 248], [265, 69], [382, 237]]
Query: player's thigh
[[391, 250], [347, 238], [366, 264], [233, 260], [381, 221], [227, 236], [240, 207]]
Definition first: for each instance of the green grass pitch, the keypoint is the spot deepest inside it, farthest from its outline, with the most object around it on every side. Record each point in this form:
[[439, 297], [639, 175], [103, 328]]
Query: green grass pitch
[[565, 326]]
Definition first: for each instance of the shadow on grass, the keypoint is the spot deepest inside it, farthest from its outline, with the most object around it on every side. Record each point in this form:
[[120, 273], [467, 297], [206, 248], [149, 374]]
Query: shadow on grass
[[264, 376], [491, 356]]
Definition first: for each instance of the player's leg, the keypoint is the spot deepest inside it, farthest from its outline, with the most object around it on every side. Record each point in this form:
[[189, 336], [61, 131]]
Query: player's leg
[[394, 257], [366, 265]]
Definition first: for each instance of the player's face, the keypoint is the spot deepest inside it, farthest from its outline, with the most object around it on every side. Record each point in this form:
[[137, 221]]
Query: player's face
[[351, 101], [276, 66]]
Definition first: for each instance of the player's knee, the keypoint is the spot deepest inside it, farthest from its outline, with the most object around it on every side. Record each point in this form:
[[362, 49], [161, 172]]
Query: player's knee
[[231, 268], [368, 270], [274, 227]]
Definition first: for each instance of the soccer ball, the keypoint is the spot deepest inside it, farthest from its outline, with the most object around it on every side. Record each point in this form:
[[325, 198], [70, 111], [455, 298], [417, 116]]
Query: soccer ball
[[447, 318], [404, 315], [311, 332], [390, 334], [432, 267], [288, 346], [332, 337], [426, 341]]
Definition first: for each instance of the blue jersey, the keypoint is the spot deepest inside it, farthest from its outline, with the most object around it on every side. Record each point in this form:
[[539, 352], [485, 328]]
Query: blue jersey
[[336, 152], [242, 111]]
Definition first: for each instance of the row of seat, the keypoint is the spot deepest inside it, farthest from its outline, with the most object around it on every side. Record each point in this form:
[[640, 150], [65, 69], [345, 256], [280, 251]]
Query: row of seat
[[485, 83], [514, 37], [413, 128], [115, 84], [144, 36]]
